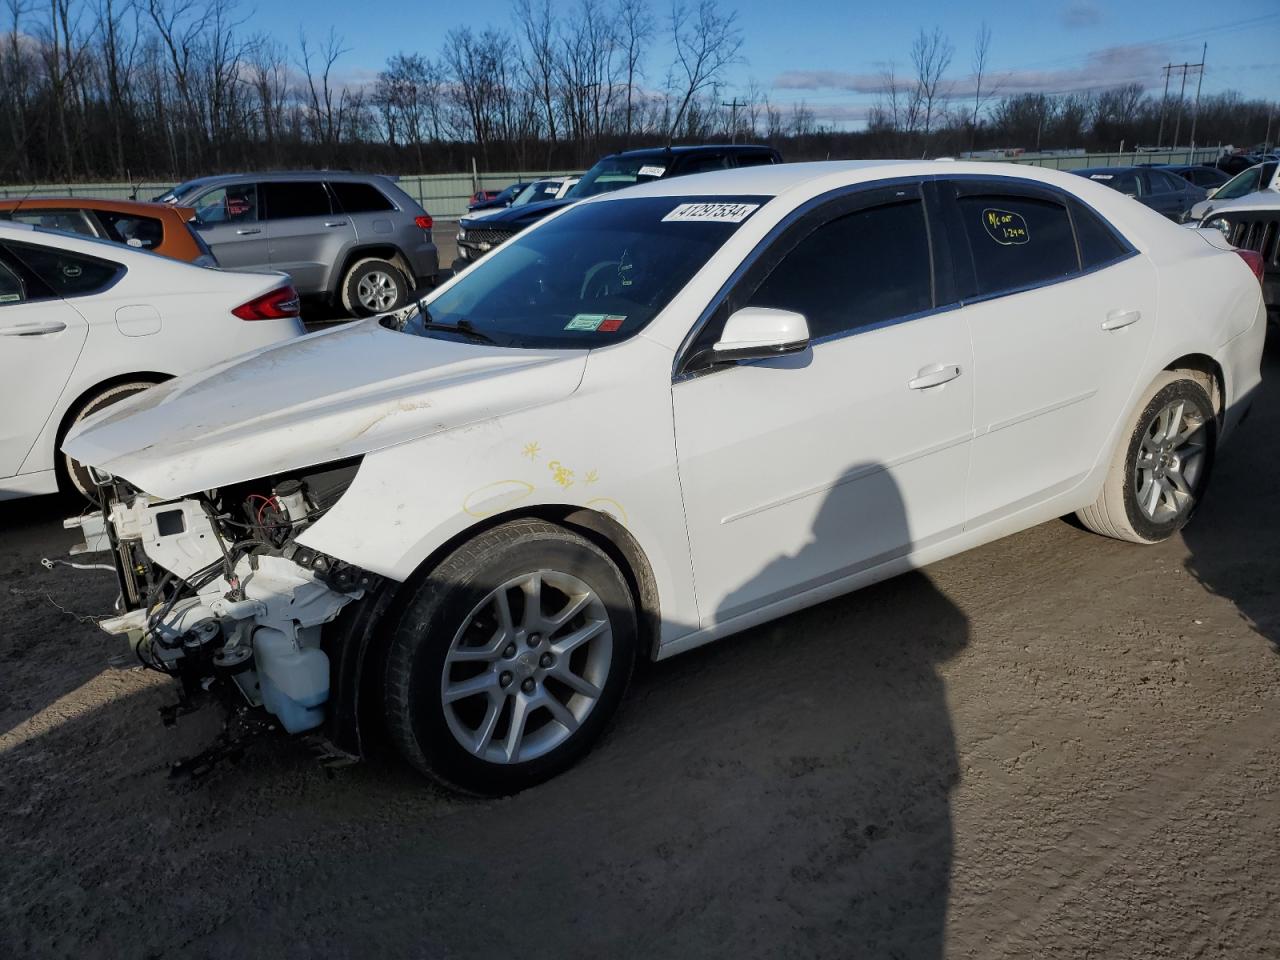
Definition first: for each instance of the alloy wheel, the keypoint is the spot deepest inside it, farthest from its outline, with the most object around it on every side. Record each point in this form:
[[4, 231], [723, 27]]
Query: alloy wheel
[[527, 666], [1170, 461], [377, 291]]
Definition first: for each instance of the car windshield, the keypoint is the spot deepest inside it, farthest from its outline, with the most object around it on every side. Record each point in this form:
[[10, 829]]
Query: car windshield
[[595, 275], [614, 173], [1245, 182], [534, 192]]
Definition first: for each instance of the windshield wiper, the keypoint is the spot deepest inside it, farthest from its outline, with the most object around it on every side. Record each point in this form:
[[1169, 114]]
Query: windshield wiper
[[463, 327]]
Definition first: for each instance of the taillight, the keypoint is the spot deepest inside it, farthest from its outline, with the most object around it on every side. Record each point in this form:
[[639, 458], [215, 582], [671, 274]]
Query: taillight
[[1254, 260], [280, 304], [424, 222]]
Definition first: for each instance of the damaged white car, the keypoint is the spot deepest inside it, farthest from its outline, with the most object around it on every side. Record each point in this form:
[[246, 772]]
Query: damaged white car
[[653, 420]]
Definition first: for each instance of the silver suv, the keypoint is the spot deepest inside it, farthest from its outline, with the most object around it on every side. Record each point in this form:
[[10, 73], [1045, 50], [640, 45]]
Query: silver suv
[[354, 239]]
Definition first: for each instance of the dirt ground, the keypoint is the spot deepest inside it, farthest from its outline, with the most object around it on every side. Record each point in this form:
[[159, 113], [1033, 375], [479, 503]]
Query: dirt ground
[[1055, 746]]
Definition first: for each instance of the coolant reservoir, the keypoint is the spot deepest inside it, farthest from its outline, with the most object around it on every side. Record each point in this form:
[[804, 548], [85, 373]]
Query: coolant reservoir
[[294, 682]]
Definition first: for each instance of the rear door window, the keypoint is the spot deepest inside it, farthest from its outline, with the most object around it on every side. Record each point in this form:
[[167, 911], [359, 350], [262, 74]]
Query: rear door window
[[287, 199], [65, 273], [356, 197], [145, 233], [1017, 241]]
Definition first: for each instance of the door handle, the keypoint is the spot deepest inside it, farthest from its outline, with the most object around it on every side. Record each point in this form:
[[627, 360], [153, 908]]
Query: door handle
[[335, 223], [33, 329], [1121, 318], [934, 376], [248, 230]]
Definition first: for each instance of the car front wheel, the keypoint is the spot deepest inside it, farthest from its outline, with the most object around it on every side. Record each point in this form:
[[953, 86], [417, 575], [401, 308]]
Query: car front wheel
[[1159, 476], [510, 658], [74, 474]]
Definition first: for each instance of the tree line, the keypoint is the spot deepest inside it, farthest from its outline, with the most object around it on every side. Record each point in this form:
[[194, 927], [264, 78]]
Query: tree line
[[93, 89]]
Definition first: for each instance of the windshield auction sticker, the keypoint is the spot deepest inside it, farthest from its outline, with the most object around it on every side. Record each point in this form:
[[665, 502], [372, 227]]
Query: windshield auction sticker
[[604, 322], [1005, 227], [648, 170], [714, 212]]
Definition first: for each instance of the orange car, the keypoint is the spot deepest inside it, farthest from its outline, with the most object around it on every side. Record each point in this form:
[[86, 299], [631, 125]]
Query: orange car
[[158, 227]]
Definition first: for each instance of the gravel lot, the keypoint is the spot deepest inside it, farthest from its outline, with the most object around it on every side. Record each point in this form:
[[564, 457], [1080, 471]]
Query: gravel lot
[[1055, 746]]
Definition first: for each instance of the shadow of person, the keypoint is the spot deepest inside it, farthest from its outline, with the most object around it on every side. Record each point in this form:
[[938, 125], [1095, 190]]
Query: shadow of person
[[1234, 538]]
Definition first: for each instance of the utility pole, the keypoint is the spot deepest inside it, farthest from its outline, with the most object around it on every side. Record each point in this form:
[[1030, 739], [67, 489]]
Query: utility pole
[[1164, 103], [1182, 92], [1195, 112], [733, 122]]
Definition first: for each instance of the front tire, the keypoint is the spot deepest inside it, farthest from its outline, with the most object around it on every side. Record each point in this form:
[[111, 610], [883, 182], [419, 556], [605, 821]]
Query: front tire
[[510, 659], [73, 475], [1160, 475]]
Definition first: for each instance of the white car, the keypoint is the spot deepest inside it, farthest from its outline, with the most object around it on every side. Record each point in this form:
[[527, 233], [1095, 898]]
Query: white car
[[1262, 178], [656, 419], [85, 323]]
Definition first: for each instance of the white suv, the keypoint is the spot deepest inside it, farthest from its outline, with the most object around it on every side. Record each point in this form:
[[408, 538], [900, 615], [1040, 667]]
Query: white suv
[[655, 419]]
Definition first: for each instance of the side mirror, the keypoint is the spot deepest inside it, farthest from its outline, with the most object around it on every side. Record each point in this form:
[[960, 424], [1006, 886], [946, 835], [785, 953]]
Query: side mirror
[[754, 333]]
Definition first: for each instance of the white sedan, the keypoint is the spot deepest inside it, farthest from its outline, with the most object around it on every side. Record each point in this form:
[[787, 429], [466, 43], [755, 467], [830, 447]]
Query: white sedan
[[85, 323], [654, 420]]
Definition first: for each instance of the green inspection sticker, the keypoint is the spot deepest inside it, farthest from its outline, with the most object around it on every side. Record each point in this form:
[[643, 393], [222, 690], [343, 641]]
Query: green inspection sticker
[[585, 321], [15, 297]]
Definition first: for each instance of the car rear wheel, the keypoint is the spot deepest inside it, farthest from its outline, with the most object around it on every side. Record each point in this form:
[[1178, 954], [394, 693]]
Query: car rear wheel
[[1159, 476], [510, 658], [374, 286], [75, 475]]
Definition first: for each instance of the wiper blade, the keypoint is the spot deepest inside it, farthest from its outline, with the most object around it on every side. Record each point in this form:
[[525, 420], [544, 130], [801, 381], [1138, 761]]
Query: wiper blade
[[463, 327]]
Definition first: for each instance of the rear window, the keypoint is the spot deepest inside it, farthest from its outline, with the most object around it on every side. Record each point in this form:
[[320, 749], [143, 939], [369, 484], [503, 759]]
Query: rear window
[[287, 199], [1017, 241], [355, 197]]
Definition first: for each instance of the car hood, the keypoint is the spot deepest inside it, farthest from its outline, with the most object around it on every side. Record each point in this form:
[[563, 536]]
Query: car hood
[[312, 400], [526, 214], [1268, 199]]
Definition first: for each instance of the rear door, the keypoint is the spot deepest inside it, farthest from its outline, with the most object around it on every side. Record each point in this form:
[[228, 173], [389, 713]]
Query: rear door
[[229, 220], [1164, 193], [367, 207], [305, 235], [41, 337], [1061, 310]]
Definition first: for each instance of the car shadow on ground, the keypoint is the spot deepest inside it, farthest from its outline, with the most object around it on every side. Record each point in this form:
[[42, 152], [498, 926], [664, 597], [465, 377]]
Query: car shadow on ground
[[783, 793], [1232, 536]]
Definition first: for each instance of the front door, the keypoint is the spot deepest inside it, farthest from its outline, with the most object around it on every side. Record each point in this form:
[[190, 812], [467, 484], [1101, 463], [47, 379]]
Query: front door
[[228, 218], [803, 470]]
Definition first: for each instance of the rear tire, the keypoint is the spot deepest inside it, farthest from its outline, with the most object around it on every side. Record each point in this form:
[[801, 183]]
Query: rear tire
[[374, 286], [1160, 474], [72, 474], [510, 659]]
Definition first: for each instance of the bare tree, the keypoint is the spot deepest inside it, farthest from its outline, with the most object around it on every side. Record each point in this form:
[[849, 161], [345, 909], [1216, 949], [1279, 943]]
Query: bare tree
[[635, 30], [981, 50], [705, 42], [930, 57], [327, 104]]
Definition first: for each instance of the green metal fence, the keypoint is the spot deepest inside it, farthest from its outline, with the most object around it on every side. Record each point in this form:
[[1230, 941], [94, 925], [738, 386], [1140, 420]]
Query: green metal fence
[[445, 196]]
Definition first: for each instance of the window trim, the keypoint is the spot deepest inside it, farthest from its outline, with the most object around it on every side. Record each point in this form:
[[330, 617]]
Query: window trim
[[686, 354], [1032, 190]]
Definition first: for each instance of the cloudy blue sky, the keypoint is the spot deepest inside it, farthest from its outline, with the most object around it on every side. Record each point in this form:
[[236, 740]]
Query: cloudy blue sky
[[830, 53]]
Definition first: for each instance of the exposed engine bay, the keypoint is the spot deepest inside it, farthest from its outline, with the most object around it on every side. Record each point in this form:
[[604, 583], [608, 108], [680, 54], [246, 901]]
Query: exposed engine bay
[[216, 592]]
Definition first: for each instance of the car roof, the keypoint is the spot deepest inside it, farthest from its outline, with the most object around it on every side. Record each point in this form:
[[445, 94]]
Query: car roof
[[695, 149], [139, 207], [284, 175], [1089, 171]]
